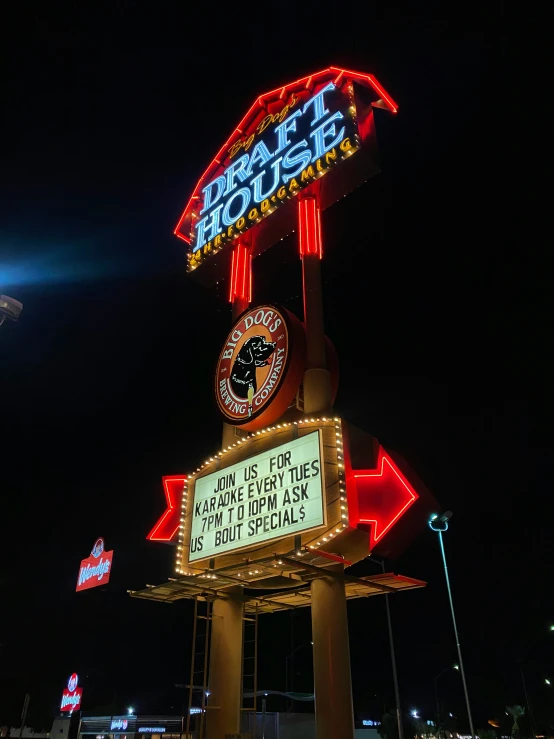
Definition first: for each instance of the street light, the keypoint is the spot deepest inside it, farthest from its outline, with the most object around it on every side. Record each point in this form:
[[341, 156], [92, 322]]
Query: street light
[[547, 681], [130, 711], [392, 655], [440, 524], [414, 713], [9, 308]]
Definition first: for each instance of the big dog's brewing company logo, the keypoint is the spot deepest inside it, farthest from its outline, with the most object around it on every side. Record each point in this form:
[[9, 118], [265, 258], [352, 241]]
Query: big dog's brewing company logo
[[260, 367]]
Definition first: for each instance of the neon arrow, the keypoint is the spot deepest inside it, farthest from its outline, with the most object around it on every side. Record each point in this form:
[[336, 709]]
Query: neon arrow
[[168, 525], [383, 495]]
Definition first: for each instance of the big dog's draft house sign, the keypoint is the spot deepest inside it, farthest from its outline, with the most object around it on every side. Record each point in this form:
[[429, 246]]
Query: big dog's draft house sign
[[287, 150]]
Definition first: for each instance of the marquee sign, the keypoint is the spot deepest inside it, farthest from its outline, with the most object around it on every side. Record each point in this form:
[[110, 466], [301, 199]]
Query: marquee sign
[[72, 695], [260, 367], [96, 569], [280, 489], [316, 483], [270, 495], [289, 139]]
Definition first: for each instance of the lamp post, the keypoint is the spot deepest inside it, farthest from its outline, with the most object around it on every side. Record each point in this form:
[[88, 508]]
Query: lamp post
[[440, 524], [392, 656], [9, 308], [521, 661], [454, 667]]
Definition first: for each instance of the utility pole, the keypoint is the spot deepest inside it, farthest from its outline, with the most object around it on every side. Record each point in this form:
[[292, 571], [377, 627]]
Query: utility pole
[[24, 713]]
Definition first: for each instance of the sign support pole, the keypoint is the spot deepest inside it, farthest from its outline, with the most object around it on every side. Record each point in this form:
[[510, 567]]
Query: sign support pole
[[223, 713], [334, 714], [317, 380], [228, 613]]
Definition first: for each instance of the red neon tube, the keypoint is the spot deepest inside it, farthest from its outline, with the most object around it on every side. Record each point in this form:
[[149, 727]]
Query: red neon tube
[[309, 228], [240, 287]]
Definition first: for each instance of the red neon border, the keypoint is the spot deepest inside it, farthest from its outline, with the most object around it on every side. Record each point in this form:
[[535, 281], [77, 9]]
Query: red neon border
[[171, 506], [384, 457], [368, 79]]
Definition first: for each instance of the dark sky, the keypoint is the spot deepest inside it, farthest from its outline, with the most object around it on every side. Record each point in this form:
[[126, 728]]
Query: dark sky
[[109, 115]]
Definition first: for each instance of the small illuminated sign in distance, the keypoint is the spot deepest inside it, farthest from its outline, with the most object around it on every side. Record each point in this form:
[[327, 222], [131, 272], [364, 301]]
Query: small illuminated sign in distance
[[151, 730], [96, 569], [271, 495], [72, 695], [119, 724]]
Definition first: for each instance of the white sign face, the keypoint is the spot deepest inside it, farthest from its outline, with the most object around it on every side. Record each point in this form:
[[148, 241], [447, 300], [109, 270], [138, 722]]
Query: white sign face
[[269, 496]]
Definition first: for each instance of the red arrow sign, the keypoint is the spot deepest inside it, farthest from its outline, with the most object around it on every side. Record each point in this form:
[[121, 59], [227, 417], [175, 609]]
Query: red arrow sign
[[167, 527], [383, 496]]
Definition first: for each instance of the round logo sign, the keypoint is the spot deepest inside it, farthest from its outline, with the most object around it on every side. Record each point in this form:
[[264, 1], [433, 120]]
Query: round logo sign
[[98, 547], [260, 367], [72, 682]]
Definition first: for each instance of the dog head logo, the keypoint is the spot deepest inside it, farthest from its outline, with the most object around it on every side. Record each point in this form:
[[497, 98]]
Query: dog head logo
[[260, 366], [254, 353]]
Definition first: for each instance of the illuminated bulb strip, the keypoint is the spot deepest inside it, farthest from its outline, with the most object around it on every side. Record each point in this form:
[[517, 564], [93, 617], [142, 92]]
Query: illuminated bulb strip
[[252, 435]]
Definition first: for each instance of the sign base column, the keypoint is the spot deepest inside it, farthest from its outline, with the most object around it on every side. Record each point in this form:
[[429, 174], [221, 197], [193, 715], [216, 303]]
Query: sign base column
[[225, 683], [334, 714]]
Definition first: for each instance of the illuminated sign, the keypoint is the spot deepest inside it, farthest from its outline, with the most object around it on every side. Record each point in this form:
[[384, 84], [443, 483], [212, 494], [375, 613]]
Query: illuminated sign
[[119, 724], [151, 729], [95, 570], [288, 139], [168, 525], [271, 495], [287, 151], [368, 722], [71, 696], [260, 367]]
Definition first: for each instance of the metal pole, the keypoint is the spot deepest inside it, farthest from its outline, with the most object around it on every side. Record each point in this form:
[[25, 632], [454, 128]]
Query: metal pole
[[192, 661], [24, 713], [458, 646], [438, 707], [529, 709], [394, 673], [263, 717], [287, 684]]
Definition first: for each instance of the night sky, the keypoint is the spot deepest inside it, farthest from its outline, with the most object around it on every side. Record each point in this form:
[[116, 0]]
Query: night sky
[[109, 116]]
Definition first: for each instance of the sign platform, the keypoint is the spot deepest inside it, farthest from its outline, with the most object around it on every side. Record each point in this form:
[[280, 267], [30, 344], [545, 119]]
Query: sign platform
[[272, 571]]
